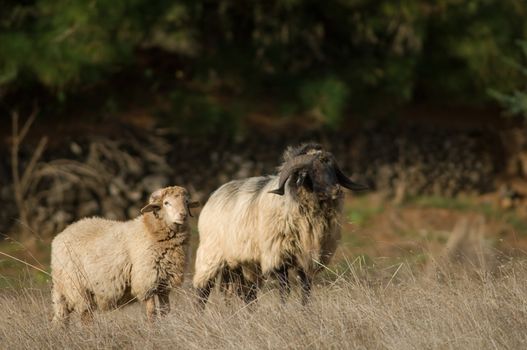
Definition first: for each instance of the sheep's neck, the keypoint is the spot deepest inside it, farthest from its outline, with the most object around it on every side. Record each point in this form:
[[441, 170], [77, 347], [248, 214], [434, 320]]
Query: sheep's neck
[[169, 247], [314, 235], [310, 203], [162, 232]]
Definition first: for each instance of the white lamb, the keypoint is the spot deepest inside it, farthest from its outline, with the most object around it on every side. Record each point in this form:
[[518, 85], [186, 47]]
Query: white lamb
[[103, 264]]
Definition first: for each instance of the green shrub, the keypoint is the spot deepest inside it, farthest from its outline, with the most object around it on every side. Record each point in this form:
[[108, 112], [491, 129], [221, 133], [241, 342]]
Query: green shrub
[[515, 102], [330, 54], [199, 114], [325, 99]]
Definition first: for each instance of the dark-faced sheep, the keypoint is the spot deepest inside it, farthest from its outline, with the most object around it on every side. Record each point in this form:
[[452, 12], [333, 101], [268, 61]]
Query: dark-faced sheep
[[102, 264], [268, 225]]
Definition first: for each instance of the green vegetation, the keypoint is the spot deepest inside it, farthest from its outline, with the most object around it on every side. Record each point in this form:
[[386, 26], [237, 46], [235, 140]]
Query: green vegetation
[[14, 274], [326, 99], [515, 102], [301, 56], [466, 205], [459, 204], [199, 114], [360, 211]]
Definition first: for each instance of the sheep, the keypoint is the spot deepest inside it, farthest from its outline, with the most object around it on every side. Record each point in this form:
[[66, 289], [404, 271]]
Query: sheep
[[267, 225], [103, 264]]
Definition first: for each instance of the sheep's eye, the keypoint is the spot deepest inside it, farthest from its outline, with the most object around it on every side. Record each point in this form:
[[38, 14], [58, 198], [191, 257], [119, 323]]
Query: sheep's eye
[[166, 203]]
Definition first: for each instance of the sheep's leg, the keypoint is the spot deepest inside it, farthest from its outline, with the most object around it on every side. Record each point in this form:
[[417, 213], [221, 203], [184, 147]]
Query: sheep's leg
[[250, 292], [204, 293], [231, 284], [226, 283], [205, 275], [249, 283], [164, 302], [306, 282], [61, 312], [283, 282], [86, 307], [150, 304]]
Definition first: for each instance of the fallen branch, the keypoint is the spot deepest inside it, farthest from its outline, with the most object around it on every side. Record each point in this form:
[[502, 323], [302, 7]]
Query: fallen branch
[[21, 182]]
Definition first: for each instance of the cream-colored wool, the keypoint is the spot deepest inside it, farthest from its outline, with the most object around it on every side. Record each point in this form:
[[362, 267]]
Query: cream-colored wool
[[243, 226], [102, 264]]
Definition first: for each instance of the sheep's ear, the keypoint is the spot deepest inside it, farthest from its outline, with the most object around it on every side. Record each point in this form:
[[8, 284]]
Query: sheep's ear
[[194, 204], [150, 207], [156, 195]]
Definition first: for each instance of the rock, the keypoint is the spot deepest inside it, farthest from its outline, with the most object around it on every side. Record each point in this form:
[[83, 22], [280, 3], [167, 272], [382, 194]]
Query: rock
[[61, 219], [154, 182], [111, 177], [132, 212], [112, 210], [113, 189], [87, 208], [134, 196], [6, 192], [245, 170], [75, 148]]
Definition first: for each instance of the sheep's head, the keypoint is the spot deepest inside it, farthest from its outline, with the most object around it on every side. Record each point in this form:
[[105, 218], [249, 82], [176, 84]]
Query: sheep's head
[[316, 170], [172, 204]]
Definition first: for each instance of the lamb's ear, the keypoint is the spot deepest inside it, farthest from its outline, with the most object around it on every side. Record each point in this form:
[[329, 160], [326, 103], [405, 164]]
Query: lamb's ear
[[150, 207], [156, 195], [194, 204]]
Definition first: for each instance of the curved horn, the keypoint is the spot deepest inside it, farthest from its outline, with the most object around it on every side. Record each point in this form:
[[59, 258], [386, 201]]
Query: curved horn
[[345, 181], [289, 168]]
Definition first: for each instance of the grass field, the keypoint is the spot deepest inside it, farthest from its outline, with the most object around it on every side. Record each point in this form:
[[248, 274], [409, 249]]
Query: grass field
[[364, 308], [393, 284]]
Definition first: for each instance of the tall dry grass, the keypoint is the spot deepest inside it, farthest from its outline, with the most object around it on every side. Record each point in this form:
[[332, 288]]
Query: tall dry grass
[[361, 308]]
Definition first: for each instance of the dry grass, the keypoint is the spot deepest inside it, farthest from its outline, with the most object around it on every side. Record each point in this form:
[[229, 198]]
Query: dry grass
[[365, 307], [401, 301]]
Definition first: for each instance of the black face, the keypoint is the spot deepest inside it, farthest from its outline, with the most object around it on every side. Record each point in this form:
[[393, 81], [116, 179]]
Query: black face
[[321, 178]]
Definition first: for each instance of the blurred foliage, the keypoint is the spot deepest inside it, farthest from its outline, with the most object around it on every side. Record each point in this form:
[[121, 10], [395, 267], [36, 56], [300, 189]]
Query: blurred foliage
[[362, 210], [322, 57], [515, 102], [326, 99], [471, 205], [199, 114], [62, 43]]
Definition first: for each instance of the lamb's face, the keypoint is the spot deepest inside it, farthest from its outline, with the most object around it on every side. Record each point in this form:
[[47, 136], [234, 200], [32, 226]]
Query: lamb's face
[[171, 204], [175, 208]]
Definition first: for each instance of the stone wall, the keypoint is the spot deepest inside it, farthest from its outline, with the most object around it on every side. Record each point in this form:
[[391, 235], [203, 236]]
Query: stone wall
[[113, 176]]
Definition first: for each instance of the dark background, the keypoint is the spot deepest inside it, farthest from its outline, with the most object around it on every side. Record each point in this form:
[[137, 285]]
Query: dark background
[[423, 100], [207, 66]]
